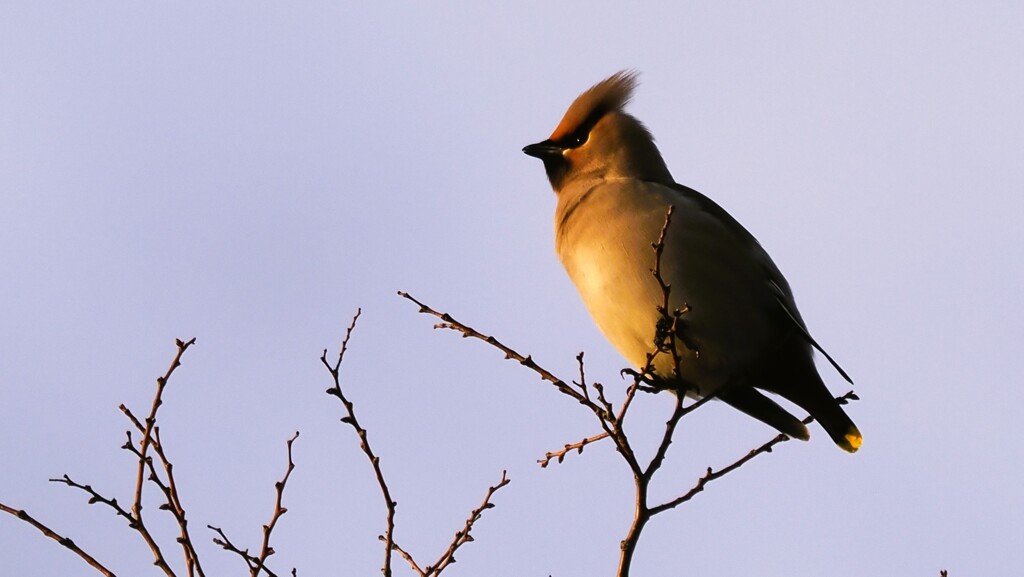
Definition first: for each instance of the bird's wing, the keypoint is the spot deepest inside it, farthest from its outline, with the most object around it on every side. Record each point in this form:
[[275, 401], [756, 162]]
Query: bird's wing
[[781, 298], [776, 281]]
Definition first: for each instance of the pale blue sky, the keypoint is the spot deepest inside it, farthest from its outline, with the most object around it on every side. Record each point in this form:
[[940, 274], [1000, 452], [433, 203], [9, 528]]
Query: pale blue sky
[[252, 172]]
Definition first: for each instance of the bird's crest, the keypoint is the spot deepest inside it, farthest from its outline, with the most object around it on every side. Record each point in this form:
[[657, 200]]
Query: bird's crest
[[609, 95]]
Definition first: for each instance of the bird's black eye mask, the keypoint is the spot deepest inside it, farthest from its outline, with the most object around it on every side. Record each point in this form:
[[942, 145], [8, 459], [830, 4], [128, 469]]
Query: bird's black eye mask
[[579, 137]]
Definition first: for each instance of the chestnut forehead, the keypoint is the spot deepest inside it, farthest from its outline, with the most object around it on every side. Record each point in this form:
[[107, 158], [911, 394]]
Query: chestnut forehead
[[607, 96], [566, 129]]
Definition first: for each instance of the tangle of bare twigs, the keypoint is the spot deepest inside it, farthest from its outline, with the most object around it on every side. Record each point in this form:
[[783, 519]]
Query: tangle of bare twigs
[[163, 479]]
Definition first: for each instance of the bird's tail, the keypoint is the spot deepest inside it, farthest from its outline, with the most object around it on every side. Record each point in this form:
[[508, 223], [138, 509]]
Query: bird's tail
[[838, 426], [791, 373], [814, 397]]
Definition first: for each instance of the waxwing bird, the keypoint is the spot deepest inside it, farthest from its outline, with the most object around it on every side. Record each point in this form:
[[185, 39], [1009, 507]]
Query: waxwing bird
[[741, 330]]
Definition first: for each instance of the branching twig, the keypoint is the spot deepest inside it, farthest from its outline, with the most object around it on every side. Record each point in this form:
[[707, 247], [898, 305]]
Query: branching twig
[[150, 438], [250, 560], [526, 361], [172, 502], [463, 536], [364, 444], [258, 563], [134, 516], [146, 461], [405, 555], [266, 550], [64, 541], [388, 538], [144, 443]]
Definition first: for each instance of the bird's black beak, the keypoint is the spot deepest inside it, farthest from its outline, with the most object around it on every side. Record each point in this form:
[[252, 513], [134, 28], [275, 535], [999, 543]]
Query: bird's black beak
[[545, 150]]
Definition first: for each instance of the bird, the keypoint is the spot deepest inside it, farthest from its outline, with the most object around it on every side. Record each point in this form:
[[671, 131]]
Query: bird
[[739, 331]]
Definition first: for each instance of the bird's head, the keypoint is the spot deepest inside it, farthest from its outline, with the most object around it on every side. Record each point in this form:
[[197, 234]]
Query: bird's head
[[598, 139]]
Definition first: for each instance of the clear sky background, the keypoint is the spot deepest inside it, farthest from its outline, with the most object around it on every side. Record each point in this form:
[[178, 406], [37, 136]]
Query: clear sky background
[[250, 173]]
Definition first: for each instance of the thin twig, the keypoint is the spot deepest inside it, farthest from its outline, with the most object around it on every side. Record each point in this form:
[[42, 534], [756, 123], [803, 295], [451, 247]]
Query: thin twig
[[601, 407], [133, 522], [678, 413], [150, 422], [463, 536], [144, 459], [258, 563], [578, 446], [134, 516], [172, 502], [388, 538], [266, 550], [405, 555], [95, 497], [227, 545], [64, 541], [467, 331], [364, 444]]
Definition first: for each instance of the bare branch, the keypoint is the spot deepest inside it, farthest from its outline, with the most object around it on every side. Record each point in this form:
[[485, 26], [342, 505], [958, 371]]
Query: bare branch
[[526, 361], [161, 383], [145, 462], [95, 497], [388, 538], [678, 413], [407, 556], [250, 560], [578, 446], [266, 550], [364, 444], [258, 563], [150, 438], [173, 504], [64, 541], [463, 536], [134, 523]]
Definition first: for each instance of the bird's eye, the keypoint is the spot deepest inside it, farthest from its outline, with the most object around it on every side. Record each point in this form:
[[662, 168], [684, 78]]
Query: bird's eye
[[578, 139]]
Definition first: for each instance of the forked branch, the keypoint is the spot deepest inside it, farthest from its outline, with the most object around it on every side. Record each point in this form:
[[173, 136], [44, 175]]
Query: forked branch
[[388, 538]]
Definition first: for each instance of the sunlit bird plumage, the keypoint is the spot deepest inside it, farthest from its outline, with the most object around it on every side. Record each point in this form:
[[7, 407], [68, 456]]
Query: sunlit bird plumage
[[742, 332]]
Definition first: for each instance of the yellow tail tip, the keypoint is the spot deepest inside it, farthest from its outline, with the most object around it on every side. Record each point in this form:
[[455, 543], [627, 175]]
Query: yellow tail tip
[[852, 440]]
